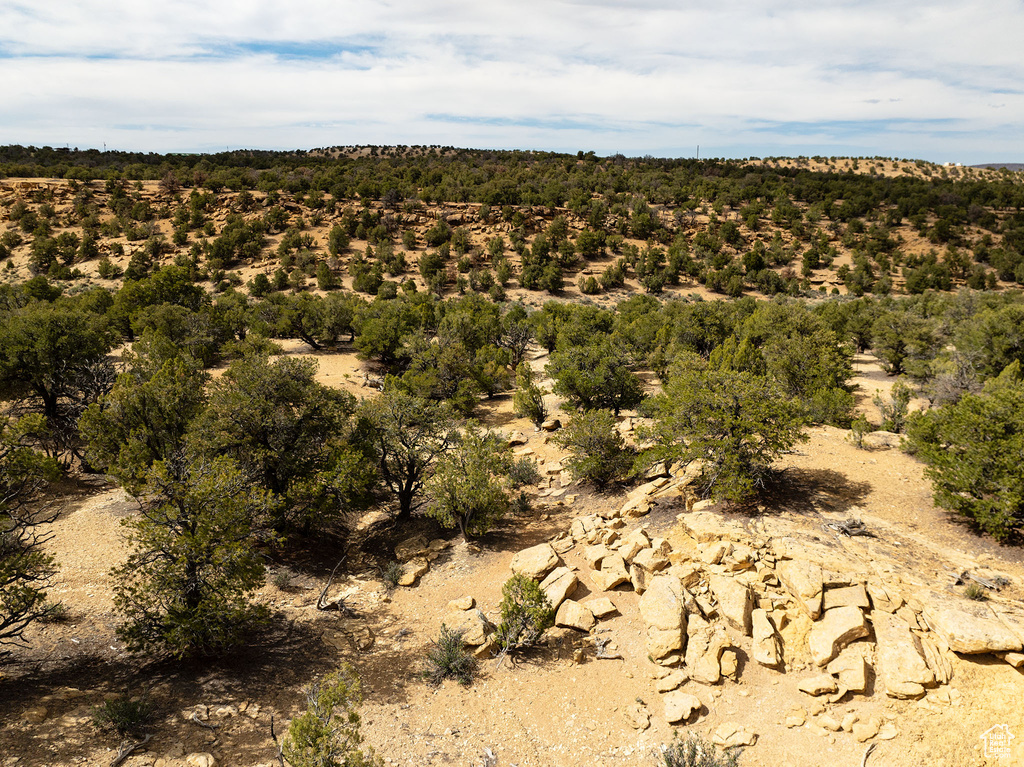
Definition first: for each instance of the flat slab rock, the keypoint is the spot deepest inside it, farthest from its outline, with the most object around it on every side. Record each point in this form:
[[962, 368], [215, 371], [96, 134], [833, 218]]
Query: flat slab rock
[[536, 561], [968, 627], [837, 628], [680, 706], [899, 658]]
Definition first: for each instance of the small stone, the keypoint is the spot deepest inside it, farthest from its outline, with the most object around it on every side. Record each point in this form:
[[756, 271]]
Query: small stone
[[462, 603], [887, 731], [680, 706], [796, 720], [672, 680], [818, 685], [863, 731], [848, 721], [200, 760], [637, 716], [732, 734], [729, 663], [829, 723], [551, 424]]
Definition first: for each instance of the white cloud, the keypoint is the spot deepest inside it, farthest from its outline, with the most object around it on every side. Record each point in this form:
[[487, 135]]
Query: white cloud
[[748, 77]]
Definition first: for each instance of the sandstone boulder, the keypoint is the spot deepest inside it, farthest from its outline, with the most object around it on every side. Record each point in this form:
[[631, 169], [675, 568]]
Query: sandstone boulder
[[898, 657], [767, 649], [535, 562], [735, 602], [664, 616], [851, 669], [559, 585], [804, 581], [680, 706], [412, 570], [612, 573], [967, 626], [834, 631], [573, 615]]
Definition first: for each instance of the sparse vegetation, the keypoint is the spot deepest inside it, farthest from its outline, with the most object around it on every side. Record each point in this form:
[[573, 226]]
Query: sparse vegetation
[[448, 658], [694, 751], [123, 715], [327, 733], [526, 614]]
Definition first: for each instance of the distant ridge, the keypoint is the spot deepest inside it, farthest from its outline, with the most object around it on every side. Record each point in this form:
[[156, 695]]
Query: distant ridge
[[997, 165]]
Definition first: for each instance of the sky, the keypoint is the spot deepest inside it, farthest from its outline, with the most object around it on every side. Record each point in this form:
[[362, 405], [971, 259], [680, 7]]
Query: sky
[[941, 80]]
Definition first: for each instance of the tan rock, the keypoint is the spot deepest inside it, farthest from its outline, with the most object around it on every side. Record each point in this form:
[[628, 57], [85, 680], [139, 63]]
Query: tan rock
[[680, 706], [898, 657], [883, 597], [847, 596], [664, 616], [729, 663], [575, 616], [200, 760], [767, 647], [795, 720], [967, 626], [551, 424], [1015, 659], [820, 684], [412, 571], [462, 603], [829, 723], [559, 585], [594, 555], [536, 561], [601, 607], [704, 646], [650, 560], [837, 628], [35, 715], [887, 731], [472, 623], [671, 681], [735, 602], [863, 731], [849, 720], [804, 581], [637, 716], [410, 547], [713, 553], [612, 573], [852, 670], [639, 578], [733, 734]]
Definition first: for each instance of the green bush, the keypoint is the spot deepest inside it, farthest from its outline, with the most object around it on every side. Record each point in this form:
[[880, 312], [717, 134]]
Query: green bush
[[526, 614], [858, 429], [597, 451], [972, 450], [123, 715], [448, 658], [327, 733]]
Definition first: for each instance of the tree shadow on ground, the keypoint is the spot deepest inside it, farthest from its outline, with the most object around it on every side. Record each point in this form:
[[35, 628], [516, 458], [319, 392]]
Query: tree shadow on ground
[[808, 491]]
